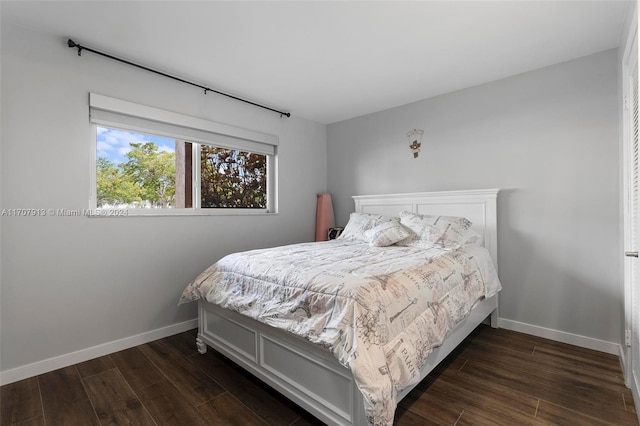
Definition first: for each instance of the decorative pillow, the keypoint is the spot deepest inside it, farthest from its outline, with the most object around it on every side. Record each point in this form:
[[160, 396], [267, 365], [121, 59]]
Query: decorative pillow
[[361, 222], [386, 234], [435, 231]]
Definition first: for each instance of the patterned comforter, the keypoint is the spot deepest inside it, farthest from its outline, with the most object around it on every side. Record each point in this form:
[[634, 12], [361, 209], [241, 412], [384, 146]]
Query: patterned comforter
[[379, 310]]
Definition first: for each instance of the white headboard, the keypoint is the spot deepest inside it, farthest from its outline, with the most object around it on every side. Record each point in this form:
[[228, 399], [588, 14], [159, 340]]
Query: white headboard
[[477, 205]]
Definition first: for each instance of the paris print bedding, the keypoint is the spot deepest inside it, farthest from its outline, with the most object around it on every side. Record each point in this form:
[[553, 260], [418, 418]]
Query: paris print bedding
[[379, 310]]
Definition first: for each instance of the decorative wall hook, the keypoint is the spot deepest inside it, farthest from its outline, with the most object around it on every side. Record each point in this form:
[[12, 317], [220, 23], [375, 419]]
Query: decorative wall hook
[[415, 137]]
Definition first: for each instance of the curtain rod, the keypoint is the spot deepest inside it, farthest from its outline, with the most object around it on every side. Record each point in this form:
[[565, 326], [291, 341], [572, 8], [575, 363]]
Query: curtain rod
[[80, 48]]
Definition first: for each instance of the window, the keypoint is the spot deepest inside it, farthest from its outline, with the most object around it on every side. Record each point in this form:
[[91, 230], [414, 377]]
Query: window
[[231, 178], [180, 165]]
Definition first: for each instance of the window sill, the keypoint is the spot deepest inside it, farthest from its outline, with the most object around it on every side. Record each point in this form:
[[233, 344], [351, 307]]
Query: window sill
[[103, 213]]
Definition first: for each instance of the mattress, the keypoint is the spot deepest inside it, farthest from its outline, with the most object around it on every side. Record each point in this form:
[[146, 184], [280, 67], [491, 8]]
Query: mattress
[[379, 310]]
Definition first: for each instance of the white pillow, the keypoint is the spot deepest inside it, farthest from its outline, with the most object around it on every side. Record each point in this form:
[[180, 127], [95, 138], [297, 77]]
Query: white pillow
[[386, 234], [446, 232], [359, 223]]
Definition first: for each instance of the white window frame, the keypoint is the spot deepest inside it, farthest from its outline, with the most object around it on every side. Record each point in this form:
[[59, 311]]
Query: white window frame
[[110, 112]]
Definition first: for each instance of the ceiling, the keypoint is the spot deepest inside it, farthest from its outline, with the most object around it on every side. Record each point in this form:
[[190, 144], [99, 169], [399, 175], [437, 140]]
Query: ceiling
[[333, 60]]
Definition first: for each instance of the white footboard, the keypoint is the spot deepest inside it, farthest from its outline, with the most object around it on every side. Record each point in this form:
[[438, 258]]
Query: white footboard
[[305, 373]]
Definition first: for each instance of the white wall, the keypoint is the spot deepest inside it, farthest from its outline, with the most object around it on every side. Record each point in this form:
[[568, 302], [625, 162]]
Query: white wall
[[549, 140], [73, 283]]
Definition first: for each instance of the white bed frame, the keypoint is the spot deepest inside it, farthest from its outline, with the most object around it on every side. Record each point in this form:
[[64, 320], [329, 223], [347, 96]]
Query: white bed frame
[[309, 375]]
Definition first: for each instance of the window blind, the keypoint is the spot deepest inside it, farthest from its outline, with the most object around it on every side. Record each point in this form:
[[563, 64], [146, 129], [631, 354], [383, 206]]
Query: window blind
[[112, 112]]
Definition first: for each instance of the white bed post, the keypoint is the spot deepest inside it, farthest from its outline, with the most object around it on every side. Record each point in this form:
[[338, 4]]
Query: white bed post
[[200, 343]]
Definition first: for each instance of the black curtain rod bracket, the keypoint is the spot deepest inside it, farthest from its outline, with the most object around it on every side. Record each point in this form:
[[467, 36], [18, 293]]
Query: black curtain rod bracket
[[73, 44]]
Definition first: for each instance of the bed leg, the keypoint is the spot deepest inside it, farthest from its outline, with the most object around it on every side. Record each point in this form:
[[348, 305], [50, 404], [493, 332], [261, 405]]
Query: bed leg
[[494, 319], [202, 346]]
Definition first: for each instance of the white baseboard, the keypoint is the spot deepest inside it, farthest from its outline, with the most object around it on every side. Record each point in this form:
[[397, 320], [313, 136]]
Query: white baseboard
[[41, 367], [626, 372], [561, 336], [44, 366]]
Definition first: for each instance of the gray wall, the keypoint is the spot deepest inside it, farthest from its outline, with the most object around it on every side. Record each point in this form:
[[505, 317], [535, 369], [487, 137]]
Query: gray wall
[[549, 140], [73, 283]]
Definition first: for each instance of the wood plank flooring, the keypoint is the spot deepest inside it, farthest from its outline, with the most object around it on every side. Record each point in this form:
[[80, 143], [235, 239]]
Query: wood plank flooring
[[496, 377]]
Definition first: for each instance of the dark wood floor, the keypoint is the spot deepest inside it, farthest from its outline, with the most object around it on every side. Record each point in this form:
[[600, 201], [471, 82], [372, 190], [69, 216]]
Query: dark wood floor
[[496, 377]]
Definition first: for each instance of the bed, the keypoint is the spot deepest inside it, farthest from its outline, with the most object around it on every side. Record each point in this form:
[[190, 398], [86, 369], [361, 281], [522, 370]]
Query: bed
[[308, 342]]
